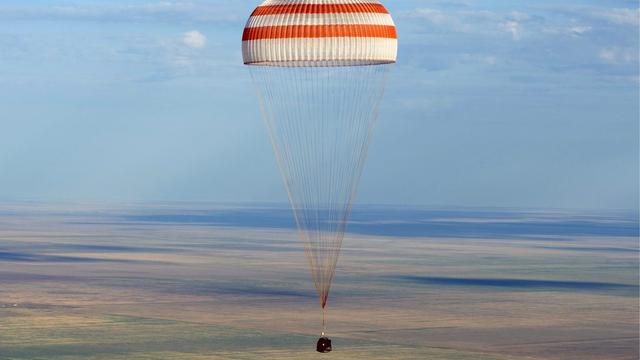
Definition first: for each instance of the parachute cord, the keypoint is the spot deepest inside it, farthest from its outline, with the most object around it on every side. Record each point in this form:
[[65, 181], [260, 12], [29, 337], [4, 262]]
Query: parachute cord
[[324, 322]]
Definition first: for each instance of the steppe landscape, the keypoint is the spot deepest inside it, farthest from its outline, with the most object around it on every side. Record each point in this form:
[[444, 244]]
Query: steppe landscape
[[211, 281]]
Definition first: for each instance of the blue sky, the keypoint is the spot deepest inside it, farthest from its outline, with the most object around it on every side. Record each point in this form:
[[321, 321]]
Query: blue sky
[[493, 103]]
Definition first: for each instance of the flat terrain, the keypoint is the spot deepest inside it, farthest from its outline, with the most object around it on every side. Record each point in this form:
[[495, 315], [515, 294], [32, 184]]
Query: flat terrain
[[202, 281]]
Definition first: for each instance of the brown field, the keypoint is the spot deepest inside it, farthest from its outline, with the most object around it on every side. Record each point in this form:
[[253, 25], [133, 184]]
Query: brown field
[[77, 282]]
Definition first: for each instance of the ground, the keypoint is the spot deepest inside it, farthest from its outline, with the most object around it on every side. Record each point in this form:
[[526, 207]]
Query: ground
[[105, 282]]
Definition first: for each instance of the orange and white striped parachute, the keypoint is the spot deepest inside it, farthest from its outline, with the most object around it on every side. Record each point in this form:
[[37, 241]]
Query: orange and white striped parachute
[[320, 32], [320, 68]]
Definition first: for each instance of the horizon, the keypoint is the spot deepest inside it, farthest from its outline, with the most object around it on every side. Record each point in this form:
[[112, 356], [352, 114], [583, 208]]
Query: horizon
[[285, 204]]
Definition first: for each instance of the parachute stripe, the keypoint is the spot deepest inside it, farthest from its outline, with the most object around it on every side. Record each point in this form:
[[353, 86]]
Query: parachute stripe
[[321, 51], [319, 31], [319, 19], [306, 8]]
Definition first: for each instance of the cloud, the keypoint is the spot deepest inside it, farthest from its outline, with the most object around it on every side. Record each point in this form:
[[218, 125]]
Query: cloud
[[624, 16], [519, 16], [563, 40], [432, 15], [618, 55], [596, 15], [194, 39], [513, 27], [473, 21], [574, 29], [607, 55], [580, 29], [167, 11], [462, 21], [455, 21]]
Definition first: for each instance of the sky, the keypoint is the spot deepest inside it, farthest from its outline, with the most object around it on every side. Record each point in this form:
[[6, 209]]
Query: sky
[[526, 104]]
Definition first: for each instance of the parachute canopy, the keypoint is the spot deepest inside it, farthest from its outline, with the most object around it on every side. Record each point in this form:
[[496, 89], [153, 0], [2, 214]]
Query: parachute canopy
[[319, 33]]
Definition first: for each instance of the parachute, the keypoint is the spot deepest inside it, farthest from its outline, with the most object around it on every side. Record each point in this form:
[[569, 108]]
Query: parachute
[[320, 68]]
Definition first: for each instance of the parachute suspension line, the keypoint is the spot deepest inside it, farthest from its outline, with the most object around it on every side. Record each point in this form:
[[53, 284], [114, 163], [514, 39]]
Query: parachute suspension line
[[369, 92], [324, 321], [275, 91], [320, 122], [268, 96]]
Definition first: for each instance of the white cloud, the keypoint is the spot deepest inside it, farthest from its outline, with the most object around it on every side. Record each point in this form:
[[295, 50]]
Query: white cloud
[[483, 59], [476, 21], [623, 16], [607, 55], [432, 15], [573, 28], [490, 60], [618, 55], [439, 18], [579, 29], [451, 18], [514, 28], [194, 39], [169, 11], [598, 15], [519, 16]]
